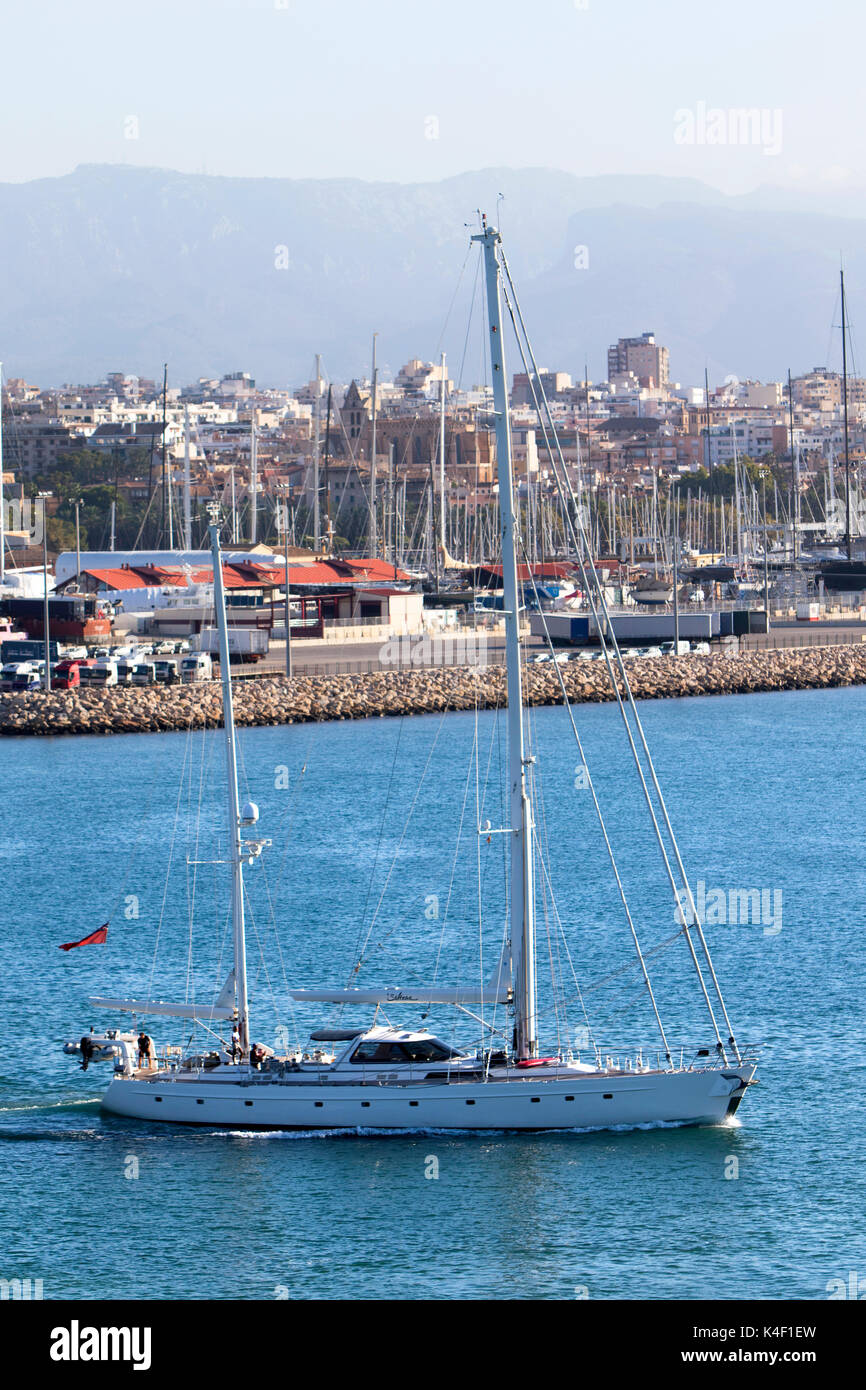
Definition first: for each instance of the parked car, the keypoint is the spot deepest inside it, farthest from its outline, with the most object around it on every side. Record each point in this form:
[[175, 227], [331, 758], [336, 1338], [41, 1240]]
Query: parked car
[[701, 648]]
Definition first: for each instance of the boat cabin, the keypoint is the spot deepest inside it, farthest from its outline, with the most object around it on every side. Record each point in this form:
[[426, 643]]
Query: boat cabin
[[384, 1049]]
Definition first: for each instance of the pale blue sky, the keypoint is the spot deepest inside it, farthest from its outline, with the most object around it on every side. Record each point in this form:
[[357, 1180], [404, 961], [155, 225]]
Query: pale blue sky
[[330, 88]]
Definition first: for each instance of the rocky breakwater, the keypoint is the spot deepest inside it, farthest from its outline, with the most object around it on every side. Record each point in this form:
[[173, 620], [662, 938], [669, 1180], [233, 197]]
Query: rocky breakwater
[[405, 691]]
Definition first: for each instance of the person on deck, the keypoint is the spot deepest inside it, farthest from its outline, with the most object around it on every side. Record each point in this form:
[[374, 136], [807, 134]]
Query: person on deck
[[87, 1050], [144, 1051], [236, 1044]]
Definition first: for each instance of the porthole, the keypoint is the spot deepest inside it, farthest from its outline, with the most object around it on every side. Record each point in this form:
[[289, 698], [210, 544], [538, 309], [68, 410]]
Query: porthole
[[536, 1100], [569, 1097], [608, 1095], [413, 1102], [319, 1104], [199, 1102], [158, 1099], [470, 1102], [247, 1102]]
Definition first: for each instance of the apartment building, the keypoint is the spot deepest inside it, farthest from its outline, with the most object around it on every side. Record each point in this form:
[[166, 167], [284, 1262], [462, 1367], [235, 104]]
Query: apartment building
[[646, 359]]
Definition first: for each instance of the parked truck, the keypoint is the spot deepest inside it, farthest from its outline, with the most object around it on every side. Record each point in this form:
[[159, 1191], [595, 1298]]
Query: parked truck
[[196, 667], [101, 673], [246, 644], [164, 671], [141, 673], [66, 675]]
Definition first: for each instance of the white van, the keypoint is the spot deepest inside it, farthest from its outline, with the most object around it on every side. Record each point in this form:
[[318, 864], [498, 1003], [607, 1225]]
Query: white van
[[198, 666]]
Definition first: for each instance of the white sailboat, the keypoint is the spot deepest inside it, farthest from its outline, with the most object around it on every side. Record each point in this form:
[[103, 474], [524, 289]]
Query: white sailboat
[[388, 1078]]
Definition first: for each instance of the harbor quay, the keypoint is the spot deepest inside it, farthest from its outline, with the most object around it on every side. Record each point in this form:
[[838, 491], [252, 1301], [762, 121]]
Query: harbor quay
[[275, 700]]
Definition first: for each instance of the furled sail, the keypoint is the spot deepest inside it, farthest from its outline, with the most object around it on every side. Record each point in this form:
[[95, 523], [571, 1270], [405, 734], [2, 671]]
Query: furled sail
[[496, 991], [409, 994], [206, 1012], [222, 1008]]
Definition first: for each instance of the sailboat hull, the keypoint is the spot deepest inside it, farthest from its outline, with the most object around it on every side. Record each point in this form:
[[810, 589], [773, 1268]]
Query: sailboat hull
[[582, 1101]]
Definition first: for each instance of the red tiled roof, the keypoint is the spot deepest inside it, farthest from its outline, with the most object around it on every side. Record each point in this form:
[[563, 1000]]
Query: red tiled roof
[[117, 578], [234, 576], [157, 575], [248, 574], [375, 568], [320, 572]]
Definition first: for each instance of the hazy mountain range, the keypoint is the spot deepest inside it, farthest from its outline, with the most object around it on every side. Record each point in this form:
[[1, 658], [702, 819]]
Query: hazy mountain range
[[115, 267]]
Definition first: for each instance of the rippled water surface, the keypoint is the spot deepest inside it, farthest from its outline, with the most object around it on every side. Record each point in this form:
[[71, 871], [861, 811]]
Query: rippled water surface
[[375, 854]]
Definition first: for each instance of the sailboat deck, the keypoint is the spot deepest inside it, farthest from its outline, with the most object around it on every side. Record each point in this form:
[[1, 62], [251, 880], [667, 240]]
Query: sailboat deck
[[317, 1077]]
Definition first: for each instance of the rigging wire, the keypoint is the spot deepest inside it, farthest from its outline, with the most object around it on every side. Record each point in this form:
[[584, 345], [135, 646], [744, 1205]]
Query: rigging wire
[[612, 652]]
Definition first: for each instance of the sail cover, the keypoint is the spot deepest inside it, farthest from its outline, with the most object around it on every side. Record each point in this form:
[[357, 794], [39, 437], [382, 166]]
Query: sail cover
[[496, 991], [222, 1008], [206, 1012], [408, 994]]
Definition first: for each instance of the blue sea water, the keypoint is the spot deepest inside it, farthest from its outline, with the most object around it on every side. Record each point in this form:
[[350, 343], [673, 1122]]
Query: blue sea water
[[376, 854]]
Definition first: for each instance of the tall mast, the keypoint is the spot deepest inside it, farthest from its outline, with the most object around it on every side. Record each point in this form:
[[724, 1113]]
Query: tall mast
[[328, 546], [317, 413], [254, 480], [374, 538], [187, 512], [442, 536], [46, 675], [707, 417], [165, 497], [522, 896], [845, 420], [793, 472], [2, 499], [236, 847]]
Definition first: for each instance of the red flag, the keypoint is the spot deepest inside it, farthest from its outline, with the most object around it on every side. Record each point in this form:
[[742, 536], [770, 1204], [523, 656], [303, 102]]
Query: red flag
[[96, 938]]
